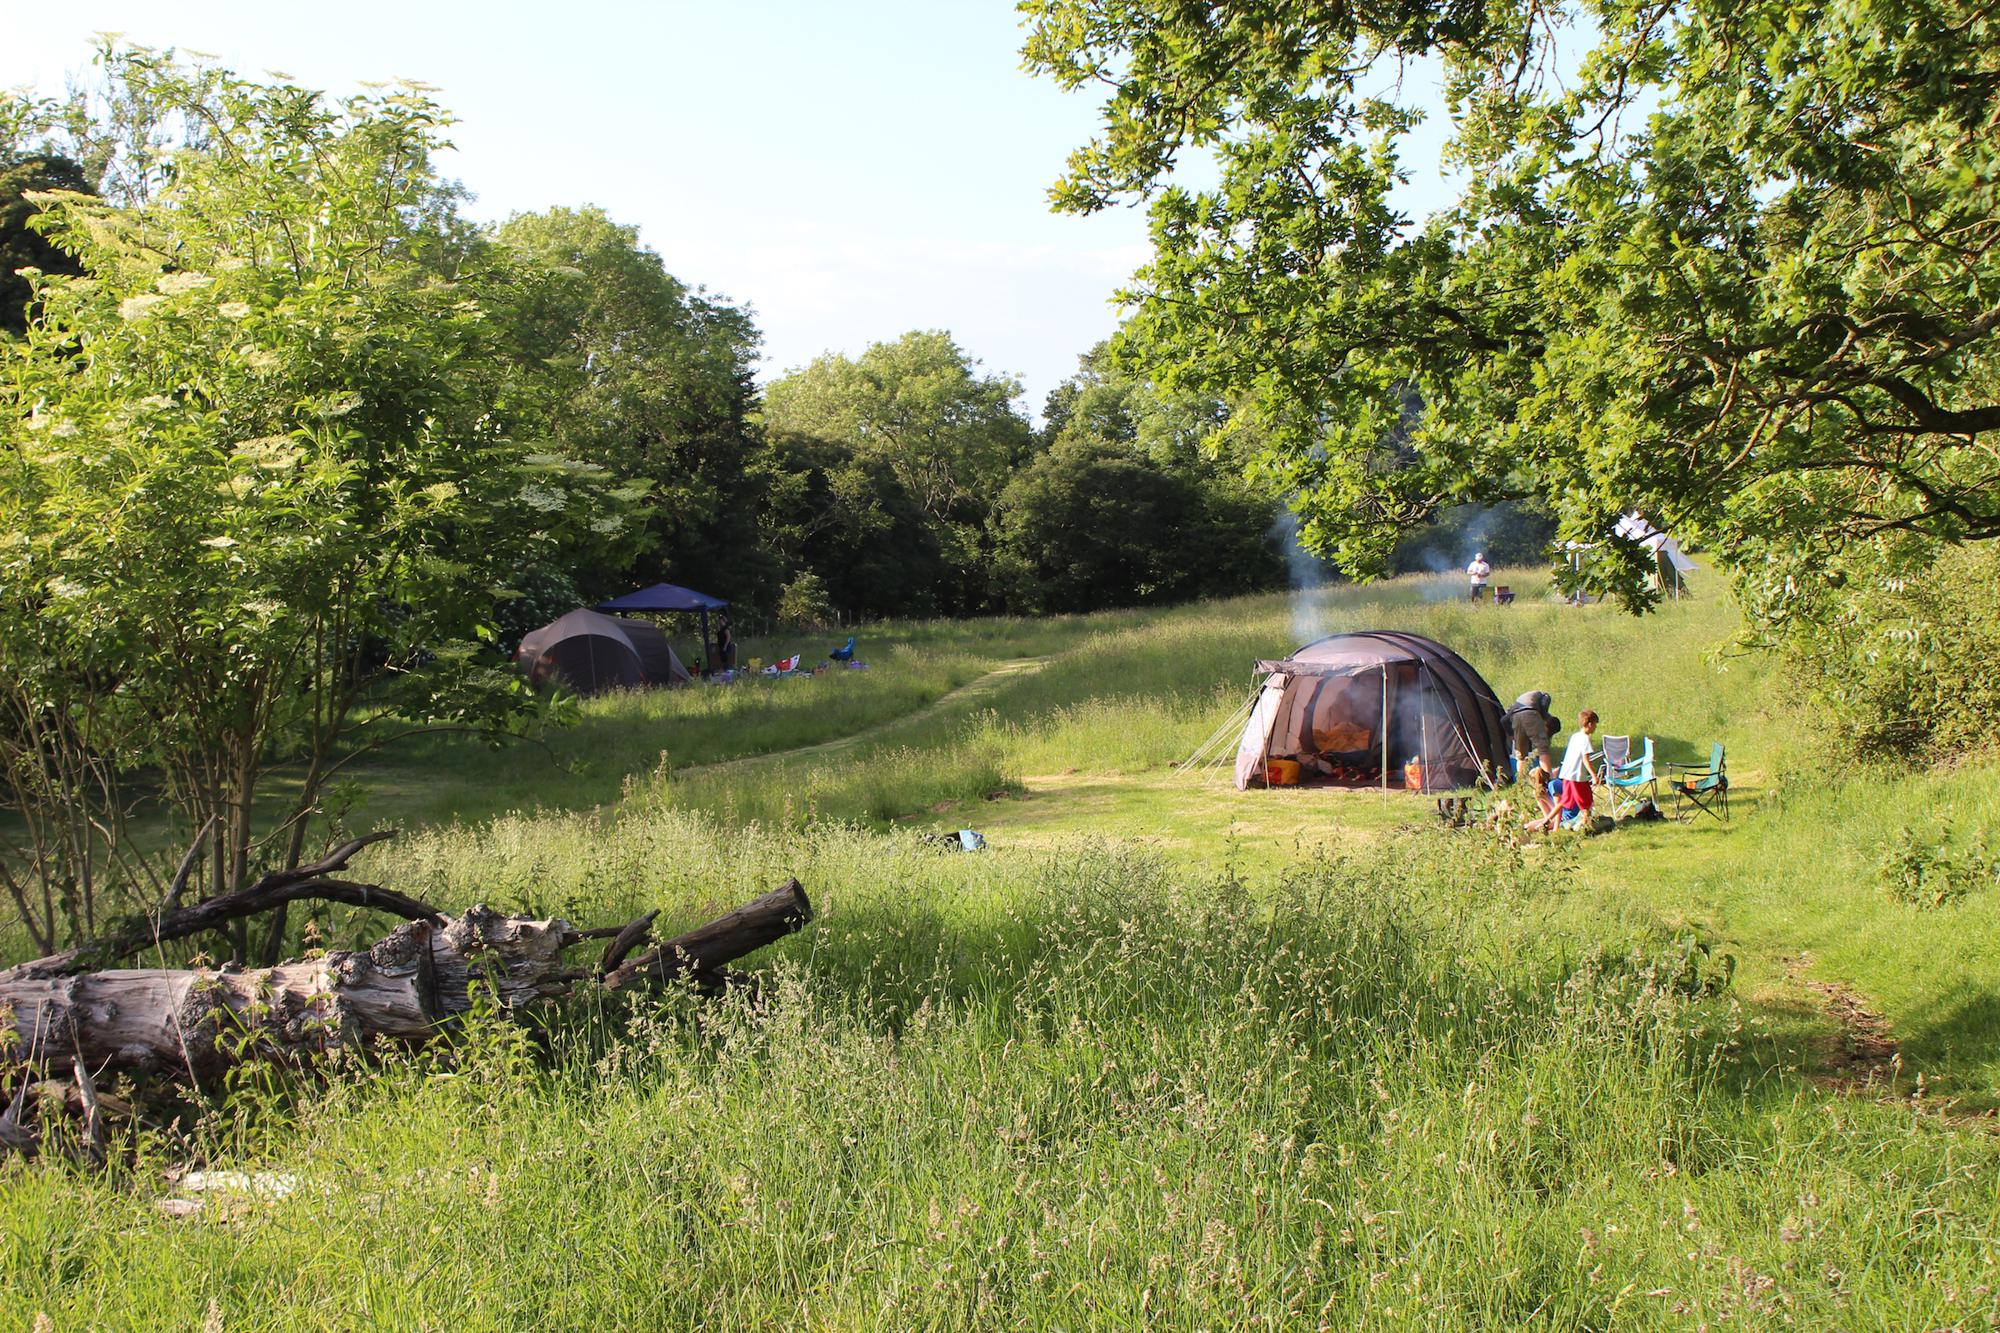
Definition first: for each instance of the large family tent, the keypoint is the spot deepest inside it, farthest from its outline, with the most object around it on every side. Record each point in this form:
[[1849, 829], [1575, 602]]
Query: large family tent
[[1379, 708], [591, 652]]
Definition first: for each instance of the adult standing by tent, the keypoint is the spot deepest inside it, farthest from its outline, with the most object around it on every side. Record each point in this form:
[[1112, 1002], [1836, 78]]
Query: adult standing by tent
[[1531, 726], [1478, 571], [725, 643]]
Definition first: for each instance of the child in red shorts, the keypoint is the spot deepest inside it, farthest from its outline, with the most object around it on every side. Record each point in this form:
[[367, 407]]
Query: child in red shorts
[[1579, 772]]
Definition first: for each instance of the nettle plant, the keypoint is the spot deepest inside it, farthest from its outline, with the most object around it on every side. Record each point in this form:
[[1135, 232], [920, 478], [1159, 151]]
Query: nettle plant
[[260, 485], [1928, 870]]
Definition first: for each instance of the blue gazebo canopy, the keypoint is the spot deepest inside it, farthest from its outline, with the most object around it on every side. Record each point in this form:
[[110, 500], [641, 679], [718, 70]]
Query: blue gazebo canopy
[[664, 597]]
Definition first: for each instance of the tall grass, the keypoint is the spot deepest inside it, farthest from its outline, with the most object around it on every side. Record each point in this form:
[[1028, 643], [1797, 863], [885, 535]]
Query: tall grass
[[1140, 693], [626, 734], [1084, 1091]]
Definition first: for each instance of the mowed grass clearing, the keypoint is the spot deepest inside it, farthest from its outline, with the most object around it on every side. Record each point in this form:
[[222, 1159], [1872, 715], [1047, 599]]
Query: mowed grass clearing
[[1075, 738]]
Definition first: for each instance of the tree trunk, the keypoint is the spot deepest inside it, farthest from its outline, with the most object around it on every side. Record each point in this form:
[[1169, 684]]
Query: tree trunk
[[751, 926]]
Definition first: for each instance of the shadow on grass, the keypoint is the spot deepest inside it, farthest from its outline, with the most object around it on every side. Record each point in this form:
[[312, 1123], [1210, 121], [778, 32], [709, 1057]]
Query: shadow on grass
[[1957, 1044]]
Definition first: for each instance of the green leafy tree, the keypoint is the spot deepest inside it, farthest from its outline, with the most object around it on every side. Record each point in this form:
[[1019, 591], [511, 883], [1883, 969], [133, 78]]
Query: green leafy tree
[[1086, 526], [1111, 399], [1899, 652], [1129, 504], [254, 477], [846, 520], [22, 246], [625, 367], [1733, 264], [950, 435]]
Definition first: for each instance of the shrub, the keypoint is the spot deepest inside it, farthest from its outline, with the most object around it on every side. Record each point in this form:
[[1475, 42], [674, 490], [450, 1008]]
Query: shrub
[[803, 604], [1897, 646], [1927, 872]]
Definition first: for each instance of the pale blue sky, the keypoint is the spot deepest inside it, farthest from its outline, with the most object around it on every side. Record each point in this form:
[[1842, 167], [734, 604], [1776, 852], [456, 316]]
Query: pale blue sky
[[851, 170]]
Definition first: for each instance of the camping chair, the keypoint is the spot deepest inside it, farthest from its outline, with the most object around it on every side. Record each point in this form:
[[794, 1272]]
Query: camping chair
[[1503, 596], [1623, 773], [1705, 789]]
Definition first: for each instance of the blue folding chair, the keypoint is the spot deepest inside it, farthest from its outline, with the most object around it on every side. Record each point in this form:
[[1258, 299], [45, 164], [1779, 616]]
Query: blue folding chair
[[1628, 777]]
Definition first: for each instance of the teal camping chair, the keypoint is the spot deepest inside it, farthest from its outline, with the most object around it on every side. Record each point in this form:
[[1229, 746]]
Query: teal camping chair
[[1634, 783], [1705, 789]]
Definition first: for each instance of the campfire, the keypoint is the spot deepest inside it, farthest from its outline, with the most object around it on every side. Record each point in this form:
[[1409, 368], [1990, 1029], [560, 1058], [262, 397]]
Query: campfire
[[1351, 775]]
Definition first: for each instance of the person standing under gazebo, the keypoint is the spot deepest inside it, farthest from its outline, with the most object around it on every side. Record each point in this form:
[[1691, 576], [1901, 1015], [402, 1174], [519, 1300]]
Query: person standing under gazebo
[[725, 643]]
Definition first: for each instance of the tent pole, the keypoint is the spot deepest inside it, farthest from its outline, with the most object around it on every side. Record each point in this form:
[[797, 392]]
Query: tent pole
[[1385, 727], [1424, 736], [707, 657]]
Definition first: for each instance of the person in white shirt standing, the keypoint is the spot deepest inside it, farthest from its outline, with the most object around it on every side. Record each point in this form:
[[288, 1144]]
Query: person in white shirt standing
[[1578, 772], [1478, 570]]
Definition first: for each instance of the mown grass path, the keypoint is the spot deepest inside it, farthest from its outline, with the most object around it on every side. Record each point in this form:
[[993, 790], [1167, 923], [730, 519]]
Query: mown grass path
[[965, 700]]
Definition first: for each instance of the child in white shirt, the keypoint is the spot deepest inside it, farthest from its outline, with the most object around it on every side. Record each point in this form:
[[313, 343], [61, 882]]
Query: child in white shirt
[[1578, 772]]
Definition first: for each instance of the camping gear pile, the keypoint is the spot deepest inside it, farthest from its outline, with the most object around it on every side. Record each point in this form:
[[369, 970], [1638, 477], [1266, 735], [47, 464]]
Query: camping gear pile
[[965, 840], [794, 665]]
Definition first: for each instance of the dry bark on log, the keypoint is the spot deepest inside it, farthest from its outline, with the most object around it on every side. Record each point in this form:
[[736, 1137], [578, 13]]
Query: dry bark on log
[[200, 1021], [625, 941]]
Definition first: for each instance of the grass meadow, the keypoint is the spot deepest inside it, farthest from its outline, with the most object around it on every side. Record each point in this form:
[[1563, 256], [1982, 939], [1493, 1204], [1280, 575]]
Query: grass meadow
[[1166, 1056]]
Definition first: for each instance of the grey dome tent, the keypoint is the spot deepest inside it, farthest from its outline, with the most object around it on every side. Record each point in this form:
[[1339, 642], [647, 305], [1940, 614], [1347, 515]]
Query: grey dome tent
[[591, 652], [1353, 709]]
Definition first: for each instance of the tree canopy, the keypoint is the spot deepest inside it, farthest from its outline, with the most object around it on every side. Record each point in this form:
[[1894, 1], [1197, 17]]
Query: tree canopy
[[949, 434], [21, 245], [1729, 264], [625, 367], [1129, 503], [920, 404]]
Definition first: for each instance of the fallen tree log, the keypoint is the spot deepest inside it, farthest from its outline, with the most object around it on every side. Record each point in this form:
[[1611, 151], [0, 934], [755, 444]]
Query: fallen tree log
[[195, 1022]]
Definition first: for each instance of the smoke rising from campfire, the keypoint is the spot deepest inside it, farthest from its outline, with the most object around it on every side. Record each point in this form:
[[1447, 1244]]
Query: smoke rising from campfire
[[1310, 577], [1444, 548]]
